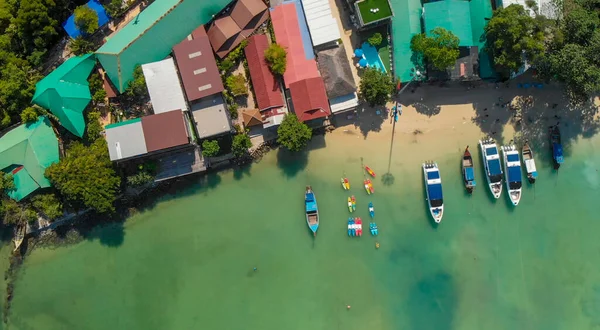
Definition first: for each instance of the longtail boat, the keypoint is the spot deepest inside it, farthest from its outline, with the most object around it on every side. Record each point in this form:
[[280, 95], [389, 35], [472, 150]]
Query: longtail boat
[[311, 209], [527, 155], [468, 171], [556, 147]]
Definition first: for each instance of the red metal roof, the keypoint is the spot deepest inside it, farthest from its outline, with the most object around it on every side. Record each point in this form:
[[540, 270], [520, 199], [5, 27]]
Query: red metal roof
[[164, 130], [266, 88], [288, 35], [309, 99], [197, 66]]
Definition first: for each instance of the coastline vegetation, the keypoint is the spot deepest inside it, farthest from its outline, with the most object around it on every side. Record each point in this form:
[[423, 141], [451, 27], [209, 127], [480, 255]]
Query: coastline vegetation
[[293, 134]]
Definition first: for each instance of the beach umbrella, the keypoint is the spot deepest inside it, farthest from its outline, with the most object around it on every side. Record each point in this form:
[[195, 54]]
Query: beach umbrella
[[362, 62], [358, 52]]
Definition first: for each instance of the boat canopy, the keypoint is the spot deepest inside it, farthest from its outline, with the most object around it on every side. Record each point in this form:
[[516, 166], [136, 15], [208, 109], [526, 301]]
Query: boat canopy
[[530, 166], [435, 191], [490, 151], [557, 153], [512, 157], [433, 175], [494, 167], [514, 173], [311, 204], [469, 174]]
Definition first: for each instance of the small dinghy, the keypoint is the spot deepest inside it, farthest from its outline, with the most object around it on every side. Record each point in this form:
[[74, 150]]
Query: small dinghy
[[370, 171], [468, 171], [345, 184], [373, 229], [358, 226], [371, 210], [529, 162], [351, 230], [353, 199], [350, 204]]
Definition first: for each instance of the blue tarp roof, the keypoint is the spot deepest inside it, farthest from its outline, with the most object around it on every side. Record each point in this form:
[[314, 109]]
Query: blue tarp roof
[[491, 151], [512, 158], [311, 206], [435, 191], [557, 153], [71, 28], [470, 174], [514, 174], [494, 166], [433, 175]]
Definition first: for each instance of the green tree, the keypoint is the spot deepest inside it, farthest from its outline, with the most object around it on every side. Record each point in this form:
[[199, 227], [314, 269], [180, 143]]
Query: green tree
[[35, 27], [276, 57], [115, 8], [237, 84], [48, 205], [293, 134], [210, 148], [6, 182], [375, 87], [440, 49], [17, 86], [16, 213], [579, 26], [81, 46], [375, 40], [240, 145], [85, 177], [137, 87], [29, 115], [86, 19], [94, 128], [512, 36], [140, 178]]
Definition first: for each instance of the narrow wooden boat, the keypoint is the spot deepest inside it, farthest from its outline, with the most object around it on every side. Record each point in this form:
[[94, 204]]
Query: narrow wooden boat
[[528, 160], [19, 231], [556, 147], [371, 210], [433, 187], [492, 166], [512, 168], [312, 211], [370, 171], [468, 171], [350, 204]]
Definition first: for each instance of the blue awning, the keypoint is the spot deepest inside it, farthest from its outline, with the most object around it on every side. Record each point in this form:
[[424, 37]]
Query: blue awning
[[72, 29], [557, 153], [469, 174], [512, 158], [435, 191], [494, 166], [311, 207], [433, 175], [514, 174], [491, 151]]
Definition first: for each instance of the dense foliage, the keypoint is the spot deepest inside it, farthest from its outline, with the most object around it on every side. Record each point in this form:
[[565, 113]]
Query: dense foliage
[[16, 213], [210, 148], [140, 178], [48, 205], [375, 87], [29, 115], [236, 84], [440, 49], [115, 8], [81, 46], [137, 87], [233, 58], [276, 57], [241, 144], [85, 177], [293, 134], [86, 19], [375, 40]]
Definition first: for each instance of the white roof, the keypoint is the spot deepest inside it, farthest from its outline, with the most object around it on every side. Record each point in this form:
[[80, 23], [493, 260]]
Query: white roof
[[506, 3], [345, 102], [126, 140], [163, 85], [322, 25]]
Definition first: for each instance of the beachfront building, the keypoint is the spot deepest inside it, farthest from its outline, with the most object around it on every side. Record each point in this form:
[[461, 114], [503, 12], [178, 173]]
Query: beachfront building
[[163, 86], [151, 35], [226, 32], [303, 82], [65, 92], [322, 25], [73, 30], [211, 118], [267, 90], [339, 82], [25, 153]]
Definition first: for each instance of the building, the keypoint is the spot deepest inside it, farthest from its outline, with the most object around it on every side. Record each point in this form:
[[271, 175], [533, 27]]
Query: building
[[163, 86], [405, 25], [66, 92], [197, 66], [267, 90], [228, 31], [337, 76], [211, 117], [373, 12], [151, 36], [309, 99], [25, 153], [322, 25], [72, 29], [147, 135]]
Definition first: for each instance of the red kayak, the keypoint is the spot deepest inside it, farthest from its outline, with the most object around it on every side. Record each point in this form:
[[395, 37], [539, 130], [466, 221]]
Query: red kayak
[[358, 221], [370, 171]]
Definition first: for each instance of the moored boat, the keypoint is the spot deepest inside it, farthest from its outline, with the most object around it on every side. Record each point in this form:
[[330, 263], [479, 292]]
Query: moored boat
[[371, 210], [433, 187], [19, 232], [373, 228], [491, 164], [367, 188], [344, 184], [468, 171], [350, 204], [370, 184], [353, 199], [351, 230], [556, 147], [529, 162], [312, 211], [512, 168], [370, 171], [358, 226]]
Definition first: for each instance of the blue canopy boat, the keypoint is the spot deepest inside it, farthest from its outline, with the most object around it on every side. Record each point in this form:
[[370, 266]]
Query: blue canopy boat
[[373, 229], [433, 186], [493, 168], [312, 212], [468, 171], [556, 147], [512, 167], [371, 210]]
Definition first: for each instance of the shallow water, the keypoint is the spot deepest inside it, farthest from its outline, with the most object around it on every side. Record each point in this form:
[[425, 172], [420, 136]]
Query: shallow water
[[188, 262]]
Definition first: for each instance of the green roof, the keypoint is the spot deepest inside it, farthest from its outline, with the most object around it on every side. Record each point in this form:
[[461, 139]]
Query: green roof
[[27, 151], [151, 35], [481, 11], [406, 23], [123, 123], [452, 15], [66, 93]]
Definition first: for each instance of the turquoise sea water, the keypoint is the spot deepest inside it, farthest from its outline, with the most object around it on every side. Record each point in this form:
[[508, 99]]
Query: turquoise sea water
[[187, 262]]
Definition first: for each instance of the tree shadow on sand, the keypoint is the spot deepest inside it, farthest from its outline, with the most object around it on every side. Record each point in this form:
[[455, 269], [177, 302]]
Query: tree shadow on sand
[[367, 119]]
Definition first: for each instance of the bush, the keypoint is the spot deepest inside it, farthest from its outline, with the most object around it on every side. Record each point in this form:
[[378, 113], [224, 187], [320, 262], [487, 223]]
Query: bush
[[210, 148], [94, 128], [236, 84], [375, 40], [29, 115], [240, 145], [86, 19], [139, 179], [115, 8], [48, 205], [80, 46], [292, 133], [137, 87], [276, 57]]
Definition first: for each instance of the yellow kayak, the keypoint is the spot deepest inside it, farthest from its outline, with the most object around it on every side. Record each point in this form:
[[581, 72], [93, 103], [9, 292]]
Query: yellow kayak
[[350, 204]]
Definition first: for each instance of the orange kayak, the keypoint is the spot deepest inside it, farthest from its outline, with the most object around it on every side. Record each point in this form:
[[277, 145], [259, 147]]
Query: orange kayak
[[370, 171]]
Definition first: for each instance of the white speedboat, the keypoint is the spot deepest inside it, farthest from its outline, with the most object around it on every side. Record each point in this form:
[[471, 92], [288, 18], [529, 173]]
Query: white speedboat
[[512, 167], [433, 186], [491, 163]]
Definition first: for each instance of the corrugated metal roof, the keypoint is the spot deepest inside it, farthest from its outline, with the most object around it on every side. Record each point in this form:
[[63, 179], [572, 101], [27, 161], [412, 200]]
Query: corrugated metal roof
[[406, 23], [151, 35], [322, 25], [126, 139], [165, 130], [163, 86], [309, 99], [288, 35], [345, 102], [266, 88], [210, 117], [452, 15], [197, 66], [34, 147]]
